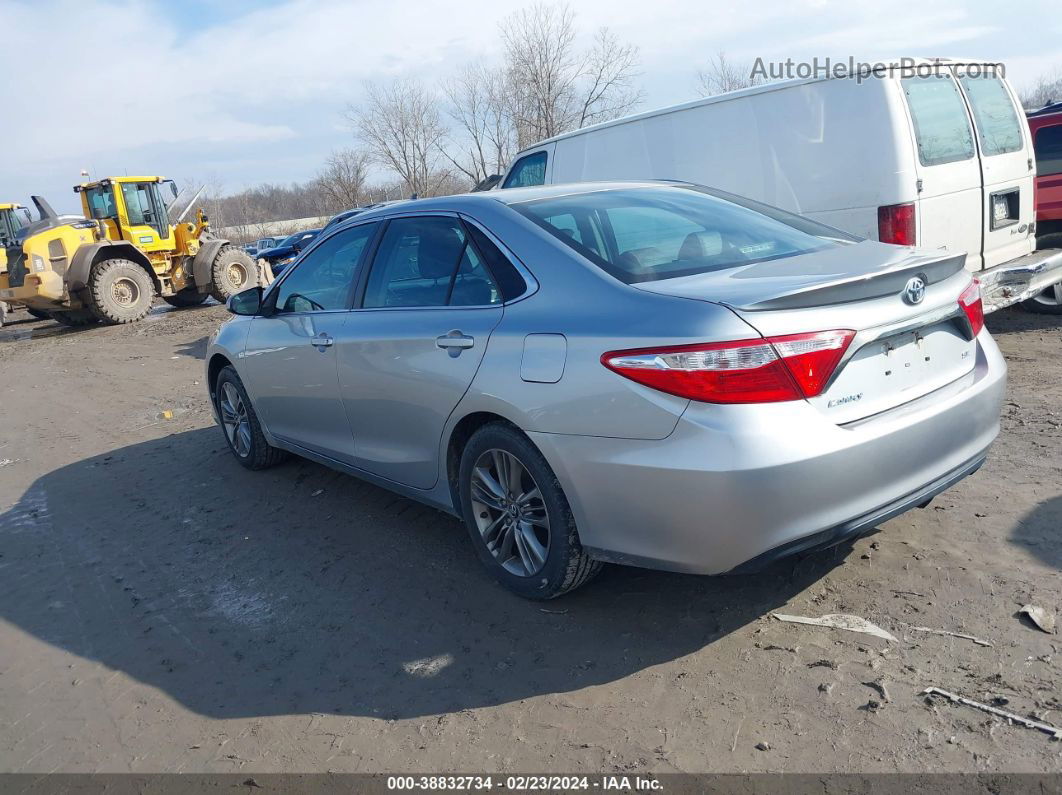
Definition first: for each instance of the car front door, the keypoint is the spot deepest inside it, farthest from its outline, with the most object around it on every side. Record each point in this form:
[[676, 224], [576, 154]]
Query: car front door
[[423, 315], [289, 360]]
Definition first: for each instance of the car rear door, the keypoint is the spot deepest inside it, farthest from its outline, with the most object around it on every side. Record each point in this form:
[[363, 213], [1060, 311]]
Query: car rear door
[[423, 315], [947, 169], [289, 359], [1006, 163]]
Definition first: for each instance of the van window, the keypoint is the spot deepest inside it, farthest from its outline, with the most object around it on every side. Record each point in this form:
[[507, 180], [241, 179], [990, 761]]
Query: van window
[[527, 172], [997, 123], [662, 233], [1048, 147], [941, 124]]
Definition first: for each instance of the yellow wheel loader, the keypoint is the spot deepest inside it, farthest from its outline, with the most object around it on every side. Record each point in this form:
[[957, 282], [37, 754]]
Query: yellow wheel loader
[[110, 265]]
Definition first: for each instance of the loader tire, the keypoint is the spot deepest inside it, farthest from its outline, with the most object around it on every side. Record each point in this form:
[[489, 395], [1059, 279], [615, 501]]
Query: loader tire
[[40, 314], [233, 270], [120, 291], [185, 298], [75, 318]]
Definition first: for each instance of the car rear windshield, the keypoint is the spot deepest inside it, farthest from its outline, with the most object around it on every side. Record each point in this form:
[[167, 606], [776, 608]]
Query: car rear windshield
[[646, 234]]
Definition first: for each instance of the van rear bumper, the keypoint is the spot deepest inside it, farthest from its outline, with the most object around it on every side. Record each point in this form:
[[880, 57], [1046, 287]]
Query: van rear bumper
[[1019, 279]]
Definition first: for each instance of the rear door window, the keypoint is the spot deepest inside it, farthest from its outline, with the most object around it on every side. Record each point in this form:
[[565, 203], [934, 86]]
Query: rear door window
[[997, 122], [1048, 145], [528, 171], [941, 124]]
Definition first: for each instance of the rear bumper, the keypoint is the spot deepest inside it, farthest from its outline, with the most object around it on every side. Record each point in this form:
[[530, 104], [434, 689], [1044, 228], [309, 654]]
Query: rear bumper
[[1019, 279], [734, 484]]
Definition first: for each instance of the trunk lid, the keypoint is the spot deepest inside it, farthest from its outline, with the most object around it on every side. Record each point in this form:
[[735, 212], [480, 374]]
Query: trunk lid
[[903, 348]]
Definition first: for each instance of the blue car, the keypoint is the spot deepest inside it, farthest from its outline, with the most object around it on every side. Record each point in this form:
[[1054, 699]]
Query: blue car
[[288, 250]]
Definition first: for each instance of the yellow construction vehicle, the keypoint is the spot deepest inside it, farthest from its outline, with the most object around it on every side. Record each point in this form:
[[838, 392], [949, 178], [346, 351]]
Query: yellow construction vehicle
[[110, 265]]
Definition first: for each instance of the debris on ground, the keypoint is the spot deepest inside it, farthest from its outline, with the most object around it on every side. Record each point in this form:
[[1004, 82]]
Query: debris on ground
[[317, 493], [1010, 717], [6, 462], [949, 633], [840, 621], [879, 687], [1041, 618], [762, 746]]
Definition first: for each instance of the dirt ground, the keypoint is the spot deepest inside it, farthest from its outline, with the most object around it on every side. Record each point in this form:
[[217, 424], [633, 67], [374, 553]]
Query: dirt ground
[[162, 609]]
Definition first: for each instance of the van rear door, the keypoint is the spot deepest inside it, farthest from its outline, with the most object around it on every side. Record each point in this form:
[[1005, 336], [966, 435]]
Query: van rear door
[[949, 175], [1006, 162]]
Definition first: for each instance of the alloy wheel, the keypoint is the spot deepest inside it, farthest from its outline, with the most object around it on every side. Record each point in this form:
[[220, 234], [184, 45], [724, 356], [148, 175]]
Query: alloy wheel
[[510, 514], [234, 420], [1052, 296]]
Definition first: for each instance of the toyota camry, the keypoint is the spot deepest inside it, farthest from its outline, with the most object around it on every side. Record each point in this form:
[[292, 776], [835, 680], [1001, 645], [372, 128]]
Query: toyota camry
[[654, 374]]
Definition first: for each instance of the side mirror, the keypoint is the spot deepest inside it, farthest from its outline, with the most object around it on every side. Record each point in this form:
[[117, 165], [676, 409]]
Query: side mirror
[[246, 302]]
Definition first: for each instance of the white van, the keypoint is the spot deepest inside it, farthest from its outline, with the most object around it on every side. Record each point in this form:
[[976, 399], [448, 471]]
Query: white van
[[936, 154]]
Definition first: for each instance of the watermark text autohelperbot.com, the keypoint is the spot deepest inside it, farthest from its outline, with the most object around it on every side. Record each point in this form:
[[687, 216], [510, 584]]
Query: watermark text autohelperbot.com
[[789, 69]]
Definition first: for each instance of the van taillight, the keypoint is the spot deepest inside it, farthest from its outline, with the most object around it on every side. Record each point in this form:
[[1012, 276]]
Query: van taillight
[[896, 224]]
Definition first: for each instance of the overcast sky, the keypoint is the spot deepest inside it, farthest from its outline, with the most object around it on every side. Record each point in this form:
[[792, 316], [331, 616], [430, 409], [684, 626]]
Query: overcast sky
[[246, 92]]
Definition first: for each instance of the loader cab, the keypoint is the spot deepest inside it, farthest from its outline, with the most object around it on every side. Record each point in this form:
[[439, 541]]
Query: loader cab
[[132, 208], [13, 217]]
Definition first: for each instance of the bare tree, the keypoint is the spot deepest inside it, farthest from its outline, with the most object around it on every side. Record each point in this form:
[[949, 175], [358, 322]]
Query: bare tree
[[486, 137], [722, 75], [1047, 88], [342, 180], [550, 87], [402, 127]]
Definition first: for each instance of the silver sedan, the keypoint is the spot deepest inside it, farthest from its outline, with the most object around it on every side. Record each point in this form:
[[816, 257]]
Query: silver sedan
[[655, 374]]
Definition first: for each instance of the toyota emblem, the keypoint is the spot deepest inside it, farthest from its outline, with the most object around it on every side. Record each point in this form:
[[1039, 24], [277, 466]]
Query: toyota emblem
[[915, 290]]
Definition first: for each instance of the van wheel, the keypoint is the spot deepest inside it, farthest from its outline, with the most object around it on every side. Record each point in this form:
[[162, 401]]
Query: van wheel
[[521, 525], [120, 291], [233, 270], [1049, 301]]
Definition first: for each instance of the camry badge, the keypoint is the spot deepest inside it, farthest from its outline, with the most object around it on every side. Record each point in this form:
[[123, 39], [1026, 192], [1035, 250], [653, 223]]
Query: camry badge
[[915, 290]]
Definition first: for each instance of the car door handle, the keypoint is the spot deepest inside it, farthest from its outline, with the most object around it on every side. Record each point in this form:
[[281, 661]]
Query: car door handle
[[322, 340], [455, 340]]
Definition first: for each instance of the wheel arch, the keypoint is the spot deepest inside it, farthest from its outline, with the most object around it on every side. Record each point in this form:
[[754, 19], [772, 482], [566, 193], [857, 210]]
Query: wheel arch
[[203, 262], [455, 444], [217, 363], [84, 258]]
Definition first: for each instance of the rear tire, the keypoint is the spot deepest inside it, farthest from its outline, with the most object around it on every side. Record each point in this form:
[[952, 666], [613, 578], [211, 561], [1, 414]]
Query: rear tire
[[40, 314], [185, 298], [233, 270], [530, 545], [120, 291], [1048, 302], [240, 425], [75, 319]]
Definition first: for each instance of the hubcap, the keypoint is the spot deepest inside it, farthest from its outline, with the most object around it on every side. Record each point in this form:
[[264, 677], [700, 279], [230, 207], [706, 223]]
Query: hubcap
[[237, 275], [1052, 296], [234, 420], [510, 513], [126, 292]]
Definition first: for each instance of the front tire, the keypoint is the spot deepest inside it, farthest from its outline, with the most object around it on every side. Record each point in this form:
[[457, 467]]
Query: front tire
[[120, 291], [239, 422], [1049, 301], [520, 522], [233, 270]]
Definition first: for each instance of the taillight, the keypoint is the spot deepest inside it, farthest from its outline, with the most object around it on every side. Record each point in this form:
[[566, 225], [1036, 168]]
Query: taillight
[[765, 370], [970, 301], [896, 224]]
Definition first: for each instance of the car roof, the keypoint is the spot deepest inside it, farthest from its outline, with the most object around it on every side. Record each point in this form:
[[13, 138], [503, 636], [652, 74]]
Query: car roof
[[465, 201]]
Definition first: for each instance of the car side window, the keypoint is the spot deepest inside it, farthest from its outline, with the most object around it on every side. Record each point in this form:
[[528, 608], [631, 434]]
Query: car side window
[[1048, 146], [428, 261], [528, 171], [322, 281]]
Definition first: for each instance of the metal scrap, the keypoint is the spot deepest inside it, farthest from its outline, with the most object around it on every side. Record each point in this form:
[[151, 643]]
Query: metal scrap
[[978, 641], [1010, 717], [1043, 620], [840, 621]]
